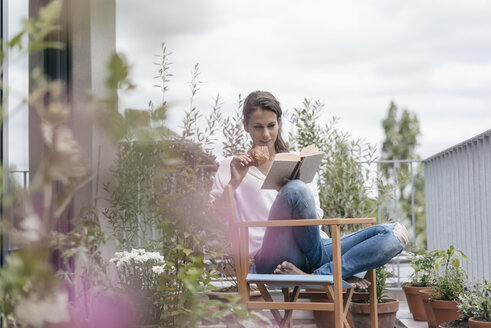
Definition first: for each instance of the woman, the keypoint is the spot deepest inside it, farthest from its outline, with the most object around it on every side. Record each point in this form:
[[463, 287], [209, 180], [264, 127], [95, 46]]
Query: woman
[[297, 250]]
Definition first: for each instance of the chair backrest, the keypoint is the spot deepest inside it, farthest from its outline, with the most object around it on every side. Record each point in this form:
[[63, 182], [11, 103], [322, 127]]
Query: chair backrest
[[227, 209], [240, 244]]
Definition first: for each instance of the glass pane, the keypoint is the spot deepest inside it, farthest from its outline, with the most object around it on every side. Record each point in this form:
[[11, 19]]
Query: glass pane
[[17, 91]]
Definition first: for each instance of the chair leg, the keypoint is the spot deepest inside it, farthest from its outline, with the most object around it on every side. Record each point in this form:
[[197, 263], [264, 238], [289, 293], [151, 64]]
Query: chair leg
[[288, 313], [372, 277], [267, 297], [286, 293], [346, 301], [286, 297], [287, 320]]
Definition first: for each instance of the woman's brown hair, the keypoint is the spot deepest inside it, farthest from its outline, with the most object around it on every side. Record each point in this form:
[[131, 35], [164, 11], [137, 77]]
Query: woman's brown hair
[[266, 101]]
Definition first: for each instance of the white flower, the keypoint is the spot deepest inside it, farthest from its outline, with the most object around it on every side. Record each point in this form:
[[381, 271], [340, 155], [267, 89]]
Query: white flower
[[143, 258], [138, 251], [158, 269], [35, 311], [136, 259], [156, 256]]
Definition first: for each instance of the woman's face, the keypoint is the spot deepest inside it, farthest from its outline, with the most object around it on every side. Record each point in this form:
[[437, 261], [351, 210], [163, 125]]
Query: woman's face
[[263, 126]]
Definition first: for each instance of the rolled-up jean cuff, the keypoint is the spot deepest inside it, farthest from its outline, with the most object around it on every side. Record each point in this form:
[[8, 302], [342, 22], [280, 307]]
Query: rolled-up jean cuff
[[360, 275]]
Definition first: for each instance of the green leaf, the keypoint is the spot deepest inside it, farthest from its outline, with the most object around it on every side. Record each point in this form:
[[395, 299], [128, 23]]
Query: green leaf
[[438, 261], [461, 254], [16, 40], [456, 263]]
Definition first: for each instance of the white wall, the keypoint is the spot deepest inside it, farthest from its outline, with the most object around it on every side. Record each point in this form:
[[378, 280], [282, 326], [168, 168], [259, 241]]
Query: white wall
[[93, 41], [458, 202]]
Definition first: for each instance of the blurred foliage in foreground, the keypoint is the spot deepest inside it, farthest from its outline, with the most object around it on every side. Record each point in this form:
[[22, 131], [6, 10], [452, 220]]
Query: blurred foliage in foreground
[[80, 293]]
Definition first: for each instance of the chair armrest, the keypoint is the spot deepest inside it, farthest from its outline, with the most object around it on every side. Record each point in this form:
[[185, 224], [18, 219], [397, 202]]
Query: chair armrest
[[305, 222]]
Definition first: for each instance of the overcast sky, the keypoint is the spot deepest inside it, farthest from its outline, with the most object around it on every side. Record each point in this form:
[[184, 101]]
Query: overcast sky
[[431, 57]]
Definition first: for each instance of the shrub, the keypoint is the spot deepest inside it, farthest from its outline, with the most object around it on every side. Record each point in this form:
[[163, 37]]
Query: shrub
[[476, 301], [381, 279], [347, 185], [423, 264], [450, 279], [382, 274]]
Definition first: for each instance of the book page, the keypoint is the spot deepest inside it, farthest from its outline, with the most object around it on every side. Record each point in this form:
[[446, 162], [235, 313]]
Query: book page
[[279, 170], [310, 149], [286, 157], [310, 166]]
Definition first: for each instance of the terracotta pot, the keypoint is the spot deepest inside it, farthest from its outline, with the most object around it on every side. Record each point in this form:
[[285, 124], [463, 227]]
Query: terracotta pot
[[414, 301], [445, 310], [476, 323], [325, 319], [360, 312], [425, 298]]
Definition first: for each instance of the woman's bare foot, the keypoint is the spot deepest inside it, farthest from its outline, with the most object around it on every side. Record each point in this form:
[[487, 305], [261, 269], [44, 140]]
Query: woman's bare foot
[[287, 268], [358, 282]]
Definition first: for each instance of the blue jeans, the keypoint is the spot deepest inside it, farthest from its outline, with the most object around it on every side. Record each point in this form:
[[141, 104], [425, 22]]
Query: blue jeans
[[302, 246]]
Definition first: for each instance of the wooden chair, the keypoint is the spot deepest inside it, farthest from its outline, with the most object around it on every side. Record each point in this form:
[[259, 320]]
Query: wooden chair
[[293, 285]]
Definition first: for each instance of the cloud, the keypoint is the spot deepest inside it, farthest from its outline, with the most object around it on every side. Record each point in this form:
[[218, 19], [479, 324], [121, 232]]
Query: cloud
[[151, 18], [433, 58], [463, 78]]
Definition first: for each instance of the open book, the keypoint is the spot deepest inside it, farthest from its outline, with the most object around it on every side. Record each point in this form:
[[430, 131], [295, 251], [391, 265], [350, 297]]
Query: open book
[[293, 166]]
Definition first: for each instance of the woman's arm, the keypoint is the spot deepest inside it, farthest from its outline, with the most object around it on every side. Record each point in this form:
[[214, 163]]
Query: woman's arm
[[232, 171], [238, 169]]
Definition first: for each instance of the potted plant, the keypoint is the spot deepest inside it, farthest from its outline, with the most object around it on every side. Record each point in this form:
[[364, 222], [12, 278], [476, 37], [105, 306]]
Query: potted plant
[[387, 307], [475, 305], [424, 295], [422, 263], [449, 282], [326, 318], [138, 273]]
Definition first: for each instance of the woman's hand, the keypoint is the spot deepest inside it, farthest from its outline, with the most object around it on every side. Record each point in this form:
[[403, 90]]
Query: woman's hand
[[238, 169]]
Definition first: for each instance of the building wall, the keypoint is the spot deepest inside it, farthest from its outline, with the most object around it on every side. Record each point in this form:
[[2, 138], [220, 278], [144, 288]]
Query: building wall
[[458, 202], [93, 42], [89, 34]]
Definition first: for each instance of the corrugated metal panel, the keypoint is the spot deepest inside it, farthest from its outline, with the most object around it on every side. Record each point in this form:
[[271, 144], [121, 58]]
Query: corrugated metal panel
[[458, 202]]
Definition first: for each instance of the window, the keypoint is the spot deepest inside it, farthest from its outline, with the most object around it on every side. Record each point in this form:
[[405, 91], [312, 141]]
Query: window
[[15, 92]]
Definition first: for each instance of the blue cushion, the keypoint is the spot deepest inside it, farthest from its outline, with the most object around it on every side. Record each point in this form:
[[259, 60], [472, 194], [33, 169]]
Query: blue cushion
[[301, 279]]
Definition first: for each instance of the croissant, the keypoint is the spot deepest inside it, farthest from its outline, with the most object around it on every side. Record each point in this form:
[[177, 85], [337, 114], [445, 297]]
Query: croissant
[[259, 154]]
